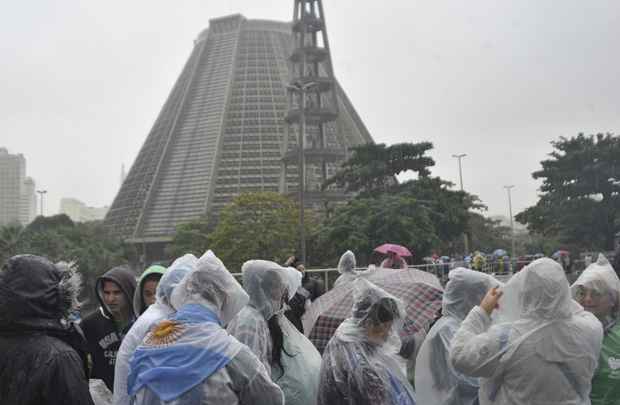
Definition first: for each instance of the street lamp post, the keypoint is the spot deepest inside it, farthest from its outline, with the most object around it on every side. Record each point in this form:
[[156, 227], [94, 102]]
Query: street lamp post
[[302, 89], [465, 239], [42, 193], [512, 227]]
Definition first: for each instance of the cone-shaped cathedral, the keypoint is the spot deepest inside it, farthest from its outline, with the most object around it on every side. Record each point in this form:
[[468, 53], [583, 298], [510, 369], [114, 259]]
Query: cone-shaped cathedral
[[228, 128]]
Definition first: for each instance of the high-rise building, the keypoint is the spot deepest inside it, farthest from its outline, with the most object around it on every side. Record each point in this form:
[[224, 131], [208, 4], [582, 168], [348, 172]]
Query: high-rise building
[[17, 197], [28, 204], [80, 212], [222, 132]]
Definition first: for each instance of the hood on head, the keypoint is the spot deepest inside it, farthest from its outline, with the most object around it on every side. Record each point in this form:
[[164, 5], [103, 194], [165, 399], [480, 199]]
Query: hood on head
[[347, 263], [601, 277], [35, 290], [546, 293], [293, 278], [138, 301], [210, 284], [464, 290], [265, 283], [173, 276], [126, 280]]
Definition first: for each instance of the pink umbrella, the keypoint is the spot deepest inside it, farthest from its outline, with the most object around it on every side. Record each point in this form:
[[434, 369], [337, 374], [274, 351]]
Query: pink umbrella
[[390, 247]]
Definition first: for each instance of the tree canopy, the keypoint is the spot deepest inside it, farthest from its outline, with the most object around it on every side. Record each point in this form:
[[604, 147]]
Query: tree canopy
[[580, 193], [86, 244], [261, 225], [372, 167]]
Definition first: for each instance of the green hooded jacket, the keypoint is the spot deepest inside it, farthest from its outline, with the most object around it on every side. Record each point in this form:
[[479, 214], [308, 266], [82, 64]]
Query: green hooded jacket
[[138, 303]]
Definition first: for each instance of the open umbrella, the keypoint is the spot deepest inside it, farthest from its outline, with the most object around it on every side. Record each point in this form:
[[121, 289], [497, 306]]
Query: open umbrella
[[391, 247], [420, 292], [500, 253]]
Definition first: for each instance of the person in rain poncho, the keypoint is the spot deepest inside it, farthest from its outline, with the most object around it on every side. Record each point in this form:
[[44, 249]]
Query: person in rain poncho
[[542, 351], [598, 290], [346, 268], [393, 261], [189, 358], [293, 361], [146, 290], [154, 314], [360, 363], [436, 380]]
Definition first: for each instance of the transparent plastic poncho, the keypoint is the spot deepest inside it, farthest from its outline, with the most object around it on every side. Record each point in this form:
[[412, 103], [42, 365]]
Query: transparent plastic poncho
[[542, 349], [603, 281], [436, 381], [154, 313], [268, 286], [243, 380], [361, 364], [346, 268]]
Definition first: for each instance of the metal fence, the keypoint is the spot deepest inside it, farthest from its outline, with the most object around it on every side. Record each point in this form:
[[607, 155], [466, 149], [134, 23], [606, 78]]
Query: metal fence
[[441, 270]]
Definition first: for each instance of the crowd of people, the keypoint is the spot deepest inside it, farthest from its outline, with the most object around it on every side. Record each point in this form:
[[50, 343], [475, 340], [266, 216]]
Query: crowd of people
[[192, 334]]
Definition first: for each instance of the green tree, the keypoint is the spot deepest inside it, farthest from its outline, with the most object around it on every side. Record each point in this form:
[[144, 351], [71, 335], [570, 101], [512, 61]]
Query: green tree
[[11, 241], [87, 244], [364, 223], [486, 234], [372, 167], [261, 225], [190, 237], [580, 194], [449, 209]]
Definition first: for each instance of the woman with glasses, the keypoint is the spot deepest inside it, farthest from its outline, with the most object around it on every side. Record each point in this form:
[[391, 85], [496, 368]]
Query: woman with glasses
[[598, 290]]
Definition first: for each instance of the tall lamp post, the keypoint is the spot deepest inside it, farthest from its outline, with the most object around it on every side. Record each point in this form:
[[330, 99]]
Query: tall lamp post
[[459, 157], [512, 226], [302, 90], [42, 193]]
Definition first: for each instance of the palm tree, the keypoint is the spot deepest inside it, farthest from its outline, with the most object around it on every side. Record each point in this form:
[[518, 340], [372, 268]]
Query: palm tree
[[11, 239]]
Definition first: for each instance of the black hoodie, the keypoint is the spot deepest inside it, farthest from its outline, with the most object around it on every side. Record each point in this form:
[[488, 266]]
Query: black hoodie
[[42, 359], [102, 331]]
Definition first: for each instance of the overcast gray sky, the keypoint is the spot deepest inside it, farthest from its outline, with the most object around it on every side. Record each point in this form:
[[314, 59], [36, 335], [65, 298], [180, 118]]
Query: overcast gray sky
[[81, 82]]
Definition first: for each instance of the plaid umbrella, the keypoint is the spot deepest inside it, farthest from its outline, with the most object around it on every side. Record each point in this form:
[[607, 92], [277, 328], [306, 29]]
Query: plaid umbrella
[[420, 292]]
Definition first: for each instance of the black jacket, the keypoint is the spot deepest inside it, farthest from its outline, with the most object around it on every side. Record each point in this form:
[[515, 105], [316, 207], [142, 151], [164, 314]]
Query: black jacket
[[42, 360], [102, 333], [311, 289]]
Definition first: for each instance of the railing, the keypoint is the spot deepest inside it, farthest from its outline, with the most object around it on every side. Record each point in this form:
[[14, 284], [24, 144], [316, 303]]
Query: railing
[[441, 270]]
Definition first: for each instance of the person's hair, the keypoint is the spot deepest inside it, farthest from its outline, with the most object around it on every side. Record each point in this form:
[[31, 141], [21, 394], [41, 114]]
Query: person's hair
[[152, 277], [277, 343], [381, 311]]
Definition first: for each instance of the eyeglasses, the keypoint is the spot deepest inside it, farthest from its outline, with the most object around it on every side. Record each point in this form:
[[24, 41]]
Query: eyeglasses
[[582, 293]]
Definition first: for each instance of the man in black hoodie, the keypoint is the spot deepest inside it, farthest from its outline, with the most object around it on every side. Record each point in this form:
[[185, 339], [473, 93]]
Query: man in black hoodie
[[42, 355], [105, 328]]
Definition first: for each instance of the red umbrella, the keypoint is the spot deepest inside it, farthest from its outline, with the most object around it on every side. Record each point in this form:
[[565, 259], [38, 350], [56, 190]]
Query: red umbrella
[[391, 247], [420, 292]]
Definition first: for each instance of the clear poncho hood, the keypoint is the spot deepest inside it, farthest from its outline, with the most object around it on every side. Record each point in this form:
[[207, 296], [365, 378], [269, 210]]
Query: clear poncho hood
[[464, 290], [266, 284], [347, 263], [601, 277], [181, 267], [539, 292], [293, 278], [210, 284]]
